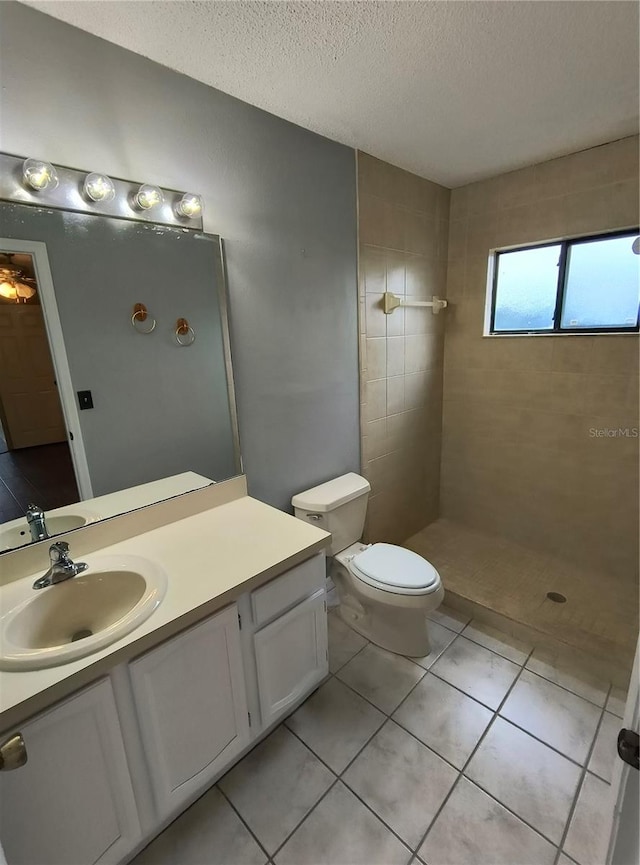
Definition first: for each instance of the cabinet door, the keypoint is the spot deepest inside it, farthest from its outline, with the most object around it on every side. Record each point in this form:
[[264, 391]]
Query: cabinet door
[[191, 704], [291, 656], [72, 802]]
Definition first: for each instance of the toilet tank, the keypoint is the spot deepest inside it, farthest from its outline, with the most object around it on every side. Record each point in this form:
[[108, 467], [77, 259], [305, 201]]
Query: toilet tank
[[338, 506]]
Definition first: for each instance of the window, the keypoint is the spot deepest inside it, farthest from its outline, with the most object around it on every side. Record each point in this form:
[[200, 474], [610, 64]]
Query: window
[[590, 284]]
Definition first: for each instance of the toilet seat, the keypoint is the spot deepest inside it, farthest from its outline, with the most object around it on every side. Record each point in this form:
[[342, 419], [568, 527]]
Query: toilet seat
[[395, 569]]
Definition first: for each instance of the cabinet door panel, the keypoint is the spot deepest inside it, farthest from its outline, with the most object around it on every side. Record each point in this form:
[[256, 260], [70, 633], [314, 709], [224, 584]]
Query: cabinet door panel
[[191, 703], [291, 656], [72, 803]]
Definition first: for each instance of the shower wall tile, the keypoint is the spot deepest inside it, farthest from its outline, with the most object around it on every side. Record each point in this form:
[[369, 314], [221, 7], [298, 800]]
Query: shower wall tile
[[520, 459], [404, 238]]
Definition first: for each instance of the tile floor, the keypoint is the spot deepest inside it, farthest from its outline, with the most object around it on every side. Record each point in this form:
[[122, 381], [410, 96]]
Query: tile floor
[[485, 752], [513, 581]]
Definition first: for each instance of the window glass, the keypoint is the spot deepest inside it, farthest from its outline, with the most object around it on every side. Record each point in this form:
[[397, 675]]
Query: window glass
[[526, 289], [602, 284]]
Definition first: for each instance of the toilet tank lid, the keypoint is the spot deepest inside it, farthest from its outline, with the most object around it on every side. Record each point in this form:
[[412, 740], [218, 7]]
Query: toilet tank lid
[[332, 494]]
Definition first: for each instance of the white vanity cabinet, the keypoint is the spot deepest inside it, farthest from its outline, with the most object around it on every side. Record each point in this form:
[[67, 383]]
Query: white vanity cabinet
[[191, 705], [72, 803], [290, 638], [173, 719]]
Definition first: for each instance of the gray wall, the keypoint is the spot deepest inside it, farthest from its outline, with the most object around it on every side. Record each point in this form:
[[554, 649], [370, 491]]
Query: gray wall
[[158, 409], [282, 197]]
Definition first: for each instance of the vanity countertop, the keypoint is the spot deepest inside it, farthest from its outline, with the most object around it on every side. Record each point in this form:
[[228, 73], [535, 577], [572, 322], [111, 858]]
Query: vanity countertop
[[210, 558]]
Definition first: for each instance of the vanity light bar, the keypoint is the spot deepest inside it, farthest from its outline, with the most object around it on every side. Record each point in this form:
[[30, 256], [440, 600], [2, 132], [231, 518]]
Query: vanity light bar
[[39, 183]]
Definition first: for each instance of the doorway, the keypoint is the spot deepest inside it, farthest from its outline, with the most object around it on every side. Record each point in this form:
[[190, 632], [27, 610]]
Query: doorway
[[35, 459]]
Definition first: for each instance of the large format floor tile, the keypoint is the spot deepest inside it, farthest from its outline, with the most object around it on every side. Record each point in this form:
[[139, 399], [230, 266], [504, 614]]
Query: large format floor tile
[[558, 717], [209, 831], [335, 723], [535, 782], [605, 750], [477, 671], [275, 785], [443, 718], [588, 836], [381, 677], [344, 642], [341, 831], [571, 670], [401, 780], [439, 638], [504, 644], [449, 617], [474, 828]]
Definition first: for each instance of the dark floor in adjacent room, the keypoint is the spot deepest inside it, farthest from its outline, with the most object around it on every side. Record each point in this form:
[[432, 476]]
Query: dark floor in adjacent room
[[41, 475]]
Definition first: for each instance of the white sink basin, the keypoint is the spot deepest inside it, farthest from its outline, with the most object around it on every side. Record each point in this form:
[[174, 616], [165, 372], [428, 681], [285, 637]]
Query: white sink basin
[[52, 626], [17, 534]]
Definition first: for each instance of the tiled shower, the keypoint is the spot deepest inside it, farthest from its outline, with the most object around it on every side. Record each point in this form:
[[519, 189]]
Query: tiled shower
[[480, 449]]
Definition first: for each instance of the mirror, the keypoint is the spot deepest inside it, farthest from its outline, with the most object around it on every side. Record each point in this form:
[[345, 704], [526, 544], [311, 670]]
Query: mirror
[[115, 367]]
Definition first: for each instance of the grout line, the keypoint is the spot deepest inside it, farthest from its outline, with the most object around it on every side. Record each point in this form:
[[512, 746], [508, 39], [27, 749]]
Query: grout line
[[583, 775], [241, 818], [387, 718], [455, 687], [308, 814], [523, 666], [432, 750], [564, 688], [495, 651], [466, 764], [338, 775], [340, 778], [348, 661], [542, 741], [366, 699], [496, 714]]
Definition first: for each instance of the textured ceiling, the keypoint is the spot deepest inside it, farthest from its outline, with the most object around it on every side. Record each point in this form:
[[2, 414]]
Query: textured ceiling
[[454, 91]]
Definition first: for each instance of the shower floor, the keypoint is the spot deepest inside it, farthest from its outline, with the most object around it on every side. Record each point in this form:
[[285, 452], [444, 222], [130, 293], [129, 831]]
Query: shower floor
[[513, 581]]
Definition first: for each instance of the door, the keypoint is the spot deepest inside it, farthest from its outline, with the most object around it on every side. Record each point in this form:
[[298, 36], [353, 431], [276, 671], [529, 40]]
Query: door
[[72, 802], [192, 708], [32, 414], [291, 656], [624, 848]]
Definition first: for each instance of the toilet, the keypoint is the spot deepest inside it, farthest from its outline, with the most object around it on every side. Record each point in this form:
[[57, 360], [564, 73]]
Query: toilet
[[385, 591]]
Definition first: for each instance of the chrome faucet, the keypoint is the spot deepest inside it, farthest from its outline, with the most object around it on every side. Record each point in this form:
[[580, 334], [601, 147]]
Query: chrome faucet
[[62, 566], [37, 524]]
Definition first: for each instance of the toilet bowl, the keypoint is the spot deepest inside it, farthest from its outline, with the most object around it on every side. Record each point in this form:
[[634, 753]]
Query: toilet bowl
[[385, 591]]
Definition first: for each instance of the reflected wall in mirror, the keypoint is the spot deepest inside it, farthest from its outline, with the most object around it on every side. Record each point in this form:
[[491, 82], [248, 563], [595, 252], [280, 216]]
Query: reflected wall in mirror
[[89, 405]]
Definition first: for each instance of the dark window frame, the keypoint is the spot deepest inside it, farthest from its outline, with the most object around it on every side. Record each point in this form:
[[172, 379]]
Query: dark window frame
[[561, 285]]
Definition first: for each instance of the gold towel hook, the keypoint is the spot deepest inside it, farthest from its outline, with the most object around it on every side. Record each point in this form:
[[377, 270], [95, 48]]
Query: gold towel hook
[[184, 329], [140, 314]]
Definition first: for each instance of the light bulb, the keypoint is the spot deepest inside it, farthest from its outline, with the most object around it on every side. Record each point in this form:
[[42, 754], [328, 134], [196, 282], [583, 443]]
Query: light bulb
[[39, 175], [190, 205], [14, 289], [99, 187], [148, 196]]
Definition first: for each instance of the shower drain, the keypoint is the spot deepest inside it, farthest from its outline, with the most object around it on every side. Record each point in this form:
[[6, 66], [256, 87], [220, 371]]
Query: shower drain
[[556, 597]]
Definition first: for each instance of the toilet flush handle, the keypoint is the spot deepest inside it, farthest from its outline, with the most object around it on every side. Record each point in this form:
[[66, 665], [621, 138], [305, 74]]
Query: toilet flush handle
[[314, 517]]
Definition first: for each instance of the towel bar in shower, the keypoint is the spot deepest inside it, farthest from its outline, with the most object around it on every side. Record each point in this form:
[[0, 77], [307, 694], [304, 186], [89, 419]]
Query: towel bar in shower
[[392, 301]]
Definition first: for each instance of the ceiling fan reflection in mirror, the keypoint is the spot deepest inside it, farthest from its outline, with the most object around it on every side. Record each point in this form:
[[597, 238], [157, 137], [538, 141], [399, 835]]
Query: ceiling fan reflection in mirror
[[16, 283]]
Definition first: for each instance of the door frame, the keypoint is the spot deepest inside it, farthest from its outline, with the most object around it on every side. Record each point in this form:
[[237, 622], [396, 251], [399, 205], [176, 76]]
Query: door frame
[[621, 770], [53, 327]]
